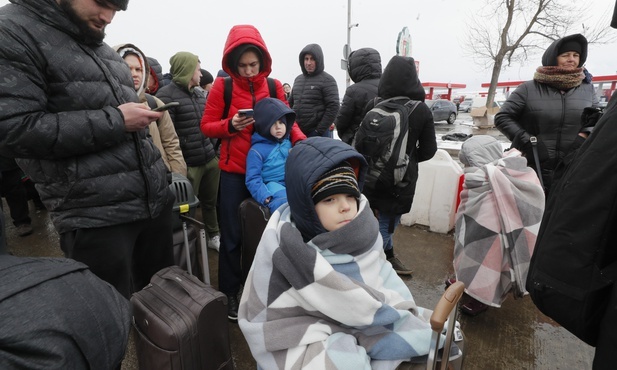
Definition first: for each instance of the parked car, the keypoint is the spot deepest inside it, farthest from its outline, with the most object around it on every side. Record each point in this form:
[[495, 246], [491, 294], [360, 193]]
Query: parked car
[[465, 106], [443, 110]]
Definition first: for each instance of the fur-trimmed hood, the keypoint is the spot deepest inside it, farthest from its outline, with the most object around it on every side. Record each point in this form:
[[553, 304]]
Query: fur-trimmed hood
[[126, 49]]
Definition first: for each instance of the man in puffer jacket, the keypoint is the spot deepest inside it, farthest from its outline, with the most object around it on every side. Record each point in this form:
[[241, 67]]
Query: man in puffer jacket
[[365, 71], [314, 96], [198, 151], [71, 117]]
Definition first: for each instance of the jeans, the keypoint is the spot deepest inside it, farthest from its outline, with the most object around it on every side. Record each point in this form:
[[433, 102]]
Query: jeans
[[386, 228]]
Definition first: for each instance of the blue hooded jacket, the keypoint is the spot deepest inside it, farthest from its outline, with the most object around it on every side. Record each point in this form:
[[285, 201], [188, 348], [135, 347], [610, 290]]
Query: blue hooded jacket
[[265, 162]]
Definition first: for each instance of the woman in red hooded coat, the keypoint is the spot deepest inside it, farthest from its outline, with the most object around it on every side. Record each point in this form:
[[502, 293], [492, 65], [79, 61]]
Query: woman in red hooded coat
[[247, 61]]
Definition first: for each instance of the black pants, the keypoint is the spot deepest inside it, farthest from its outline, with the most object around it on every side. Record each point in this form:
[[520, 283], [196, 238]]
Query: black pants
[[607, 340], [124, 255], [14, 191]]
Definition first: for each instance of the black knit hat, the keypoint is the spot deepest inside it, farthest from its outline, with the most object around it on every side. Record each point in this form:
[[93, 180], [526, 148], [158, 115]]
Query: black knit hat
[[571, 45], [339, 180], [122, 4], [206, 78]]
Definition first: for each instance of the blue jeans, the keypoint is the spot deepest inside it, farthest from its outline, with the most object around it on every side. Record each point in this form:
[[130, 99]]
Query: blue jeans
[[386, 228]]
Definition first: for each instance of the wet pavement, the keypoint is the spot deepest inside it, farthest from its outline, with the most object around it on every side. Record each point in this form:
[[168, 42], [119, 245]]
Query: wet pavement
[[515, 336]]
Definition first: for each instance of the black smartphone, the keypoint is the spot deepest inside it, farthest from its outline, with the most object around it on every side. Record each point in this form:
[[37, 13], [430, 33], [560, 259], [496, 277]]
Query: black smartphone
[[245, 112], [166, 106]]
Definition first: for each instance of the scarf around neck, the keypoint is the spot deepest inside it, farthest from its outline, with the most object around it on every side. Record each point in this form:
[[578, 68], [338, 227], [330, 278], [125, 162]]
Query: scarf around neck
[[558, 77], [333, 302]]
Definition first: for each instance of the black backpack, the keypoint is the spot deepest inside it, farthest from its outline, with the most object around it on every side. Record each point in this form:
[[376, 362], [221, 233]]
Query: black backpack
[[382, 140]]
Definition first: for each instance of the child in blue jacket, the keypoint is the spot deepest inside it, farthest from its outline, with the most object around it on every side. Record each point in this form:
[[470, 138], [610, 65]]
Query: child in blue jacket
[[270, 145]]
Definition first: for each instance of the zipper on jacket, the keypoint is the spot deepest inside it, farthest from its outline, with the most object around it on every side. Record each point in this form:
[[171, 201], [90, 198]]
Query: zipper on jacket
[[558, 155]]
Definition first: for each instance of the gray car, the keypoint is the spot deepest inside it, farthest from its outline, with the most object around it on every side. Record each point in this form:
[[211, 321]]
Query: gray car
[[443, 110], [465, 106]]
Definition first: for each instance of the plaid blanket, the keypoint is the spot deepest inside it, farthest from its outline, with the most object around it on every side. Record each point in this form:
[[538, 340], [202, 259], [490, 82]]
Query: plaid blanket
[[333, 302], [496, 228]]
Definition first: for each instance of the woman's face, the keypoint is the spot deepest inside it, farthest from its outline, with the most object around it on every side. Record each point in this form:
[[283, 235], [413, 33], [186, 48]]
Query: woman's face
[[569, 59], [248, 65]]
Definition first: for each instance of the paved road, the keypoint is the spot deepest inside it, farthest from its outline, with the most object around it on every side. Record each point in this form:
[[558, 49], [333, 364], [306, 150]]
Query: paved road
[[515, 336]]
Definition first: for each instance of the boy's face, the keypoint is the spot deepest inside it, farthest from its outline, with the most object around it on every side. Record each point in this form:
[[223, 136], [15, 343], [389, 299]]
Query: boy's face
[[278, 129], [336, 211]]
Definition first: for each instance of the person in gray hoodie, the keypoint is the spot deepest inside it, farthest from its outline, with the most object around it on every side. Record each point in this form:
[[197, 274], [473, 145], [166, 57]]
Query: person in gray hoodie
[[314, 96]]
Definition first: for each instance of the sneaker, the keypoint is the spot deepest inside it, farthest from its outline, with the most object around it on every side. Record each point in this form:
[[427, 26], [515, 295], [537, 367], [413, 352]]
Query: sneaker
[[24, 229], [473, 307], [398, 266], [214, 242], [232, 308]]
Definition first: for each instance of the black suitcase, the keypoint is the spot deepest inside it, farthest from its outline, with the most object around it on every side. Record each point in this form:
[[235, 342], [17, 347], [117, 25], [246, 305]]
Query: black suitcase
[[181, 323], [253, 220]]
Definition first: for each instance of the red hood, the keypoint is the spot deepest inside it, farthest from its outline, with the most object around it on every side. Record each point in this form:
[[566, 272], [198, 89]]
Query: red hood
[[246, 34]]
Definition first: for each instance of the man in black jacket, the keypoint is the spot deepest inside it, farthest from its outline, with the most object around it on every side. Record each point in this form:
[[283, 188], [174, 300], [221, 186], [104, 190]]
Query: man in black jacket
[[71, 117], [365, 71], [314, 96], [198, 151]]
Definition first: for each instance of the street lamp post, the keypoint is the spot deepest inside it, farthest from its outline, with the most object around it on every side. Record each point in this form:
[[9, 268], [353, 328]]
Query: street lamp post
[[348, 48]]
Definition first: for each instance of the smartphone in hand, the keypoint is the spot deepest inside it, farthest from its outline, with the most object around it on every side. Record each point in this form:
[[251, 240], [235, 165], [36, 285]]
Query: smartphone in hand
[[245, 112], [166, 106]]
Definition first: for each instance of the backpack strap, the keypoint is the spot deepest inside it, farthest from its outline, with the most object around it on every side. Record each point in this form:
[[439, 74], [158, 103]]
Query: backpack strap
[[227, 89], [151, 102], [272, 87]]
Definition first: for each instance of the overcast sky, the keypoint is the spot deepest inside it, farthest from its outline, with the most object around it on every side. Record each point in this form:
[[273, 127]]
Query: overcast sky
[[163, 27]]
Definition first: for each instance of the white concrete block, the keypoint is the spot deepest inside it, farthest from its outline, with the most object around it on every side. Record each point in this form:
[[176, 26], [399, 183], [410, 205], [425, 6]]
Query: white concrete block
[[434, 203]]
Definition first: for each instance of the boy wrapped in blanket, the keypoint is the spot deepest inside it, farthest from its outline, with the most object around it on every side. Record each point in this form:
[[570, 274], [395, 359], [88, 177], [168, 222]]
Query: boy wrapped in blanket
[[320, 293]]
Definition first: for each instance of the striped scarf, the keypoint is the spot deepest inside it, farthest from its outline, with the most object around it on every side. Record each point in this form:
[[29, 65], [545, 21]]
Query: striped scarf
[[558, 77]]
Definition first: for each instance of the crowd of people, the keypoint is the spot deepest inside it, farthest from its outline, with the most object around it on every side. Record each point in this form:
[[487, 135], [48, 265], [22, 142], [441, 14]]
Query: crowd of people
[[100, 130]]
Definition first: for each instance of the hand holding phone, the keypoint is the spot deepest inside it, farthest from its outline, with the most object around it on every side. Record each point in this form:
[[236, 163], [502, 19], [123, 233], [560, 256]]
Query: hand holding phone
[[166, 106], [245, 112]]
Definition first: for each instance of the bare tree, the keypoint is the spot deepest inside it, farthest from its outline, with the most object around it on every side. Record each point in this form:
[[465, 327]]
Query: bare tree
[[509, 31]]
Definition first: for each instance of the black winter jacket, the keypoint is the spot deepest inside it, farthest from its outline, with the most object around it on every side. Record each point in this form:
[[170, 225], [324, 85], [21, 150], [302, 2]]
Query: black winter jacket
[[59, 117], [400, 79], [554, 117], [314, 97], [365, 71], [197, 149]]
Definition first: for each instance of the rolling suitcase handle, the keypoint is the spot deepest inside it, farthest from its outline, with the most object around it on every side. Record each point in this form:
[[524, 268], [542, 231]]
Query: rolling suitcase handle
[[444, 310], [202, 245]]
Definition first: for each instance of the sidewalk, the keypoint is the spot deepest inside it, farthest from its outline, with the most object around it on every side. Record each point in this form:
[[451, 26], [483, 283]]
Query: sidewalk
[[515, 336]]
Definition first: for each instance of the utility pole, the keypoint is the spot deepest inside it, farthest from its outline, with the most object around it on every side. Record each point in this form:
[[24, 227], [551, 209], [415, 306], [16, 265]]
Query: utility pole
[[348, 46]]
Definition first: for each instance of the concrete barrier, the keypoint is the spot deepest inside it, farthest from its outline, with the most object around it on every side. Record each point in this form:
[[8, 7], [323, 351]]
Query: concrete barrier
[[434, 203]]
